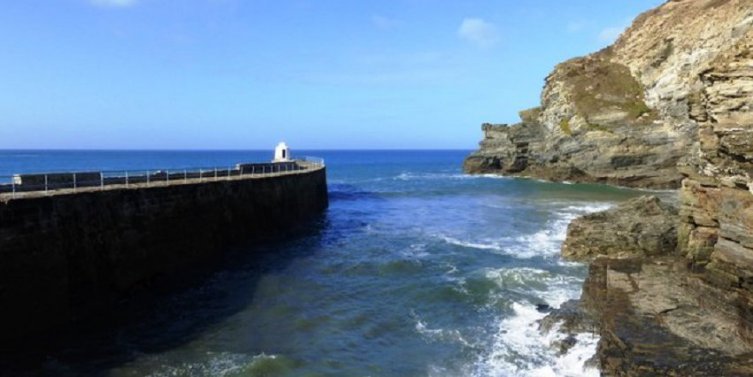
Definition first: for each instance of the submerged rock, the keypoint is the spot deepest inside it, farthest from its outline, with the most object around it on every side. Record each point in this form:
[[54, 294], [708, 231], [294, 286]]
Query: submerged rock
[[644, 226], [543, 308]]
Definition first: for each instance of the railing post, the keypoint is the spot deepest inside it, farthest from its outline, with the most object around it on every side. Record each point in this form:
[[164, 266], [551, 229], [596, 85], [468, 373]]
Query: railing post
[[74, 182], [215, 174], [45, 185], [147, 178], [126, 175], [228, 174], [101, 180], [185, 175], [167, 176], [253, 170]]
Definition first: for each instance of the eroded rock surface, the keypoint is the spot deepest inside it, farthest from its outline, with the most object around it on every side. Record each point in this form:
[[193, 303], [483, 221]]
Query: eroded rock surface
[[671, 101], [644, 226], [656, 318], [666, 309], [628, 114]]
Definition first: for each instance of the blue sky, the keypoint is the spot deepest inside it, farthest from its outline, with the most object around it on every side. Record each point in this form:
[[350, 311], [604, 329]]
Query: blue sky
[[319, 74]]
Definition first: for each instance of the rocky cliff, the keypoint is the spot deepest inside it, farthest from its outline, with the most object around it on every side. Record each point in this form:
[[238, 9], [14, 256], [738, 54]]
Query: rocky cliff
[[684, 310], [657, 314], [628, 114], [670, 291]]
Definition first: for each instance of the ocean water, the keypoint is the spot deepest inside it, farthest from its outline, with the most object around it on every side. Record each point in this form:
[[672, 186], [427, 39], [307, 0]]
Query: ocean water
[[416, 269]]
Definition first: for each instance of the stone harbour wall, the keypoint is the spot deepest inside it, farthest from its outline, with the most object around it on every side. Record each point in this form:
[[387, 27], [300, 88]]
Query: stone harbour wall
[[62, 254]]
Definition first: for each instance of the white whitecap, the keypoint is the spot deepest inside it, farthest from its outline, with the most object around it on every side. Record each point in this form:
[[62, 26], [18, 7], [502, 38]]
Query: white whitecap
[[469, 244], [439, 334], [519, 349]]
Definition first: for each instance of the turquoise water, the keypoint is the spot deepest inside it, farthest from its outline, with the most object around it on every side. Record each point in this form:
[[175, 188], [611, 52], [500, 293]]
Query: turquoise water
[[415, 270]]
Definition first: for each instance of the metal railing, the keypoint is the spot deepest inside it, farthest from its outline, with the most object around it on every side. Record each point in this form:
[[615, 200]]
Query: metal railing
[[315, 161], [75, 181]]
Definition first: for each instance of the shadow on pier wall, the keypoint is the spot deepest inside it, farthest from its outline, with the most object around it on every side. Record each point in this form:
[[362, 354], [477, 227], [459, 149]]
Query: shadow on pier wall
[[72, 264], [164, 318]]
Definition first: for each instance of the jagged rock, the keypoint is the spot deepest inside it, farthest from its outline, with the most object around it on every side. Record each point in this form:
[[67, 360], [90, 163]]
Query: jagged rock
[[646, 312], [571, 318], [643, 226], [651, 322], [628, 114], [716, 212], [690, 314]]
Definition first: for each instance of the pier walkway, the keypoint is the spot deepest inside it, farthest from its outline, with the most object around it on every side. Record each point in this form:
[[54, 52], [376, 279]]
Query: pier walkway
[[20, 186]]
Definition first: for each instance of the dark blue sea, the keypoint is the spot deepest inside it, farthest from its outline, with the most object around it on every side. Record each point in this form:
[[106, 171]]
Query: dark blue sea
[[416, 269]]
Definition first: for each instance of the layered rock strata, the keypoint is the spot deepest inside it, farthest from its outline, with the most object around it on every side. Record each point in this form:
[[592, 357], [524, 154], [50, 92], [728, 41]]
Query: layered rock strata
[[670, 103], [716, 228], [628, 114], [657, 318], [640, 227], [655, 313]]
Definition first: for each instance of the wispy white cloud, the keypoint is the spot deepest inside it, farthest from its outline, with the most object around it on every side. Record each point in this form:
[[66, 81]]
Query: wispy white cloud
[[385, 23], [395, 69], [479, 32], [407, 59], [113, 3], [611, 34], [575, 26], [398, 77]]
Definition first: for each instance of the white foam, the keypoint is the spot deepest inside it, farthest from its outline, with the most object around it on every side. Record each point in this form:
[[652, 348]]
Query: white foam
[[493, 176], [552, 288], [545, 242], [216, 364], [473, 245], [409, 176], [439, 335], [415, 251], [404, 177], [519, 349]]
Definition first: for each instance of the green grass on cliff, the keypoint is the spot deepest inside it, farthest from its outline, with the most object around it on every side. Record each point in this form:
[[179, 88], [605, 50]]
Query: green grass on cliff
[[530, 115], [599, 85], [715, 3], [598, 127]]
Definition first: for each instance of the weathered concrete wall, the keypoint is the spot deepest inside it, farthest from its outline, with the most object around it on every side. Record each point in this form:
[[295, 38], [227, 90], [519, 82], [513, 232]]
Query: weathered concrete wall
[[62, 254]]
